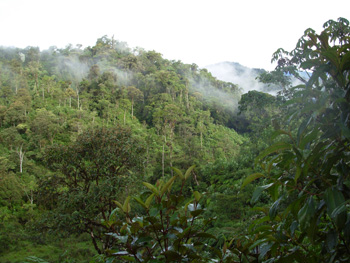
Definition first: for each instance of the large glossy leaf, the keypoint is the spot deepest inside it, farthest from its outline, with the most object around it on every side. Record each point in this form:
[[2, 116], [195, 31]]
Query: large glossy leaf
[[332, 56], [149, 200], [126, 205], [167, 185], [178, 172], [335, 200], [205, 235], [251, 178], [277, 147], [332, 240], [118, 204], [140, 202], [274, 208], [345, 61], [258, 191], [197, 196], [152, 188], [312, 135], [306, 214], [188, 172]]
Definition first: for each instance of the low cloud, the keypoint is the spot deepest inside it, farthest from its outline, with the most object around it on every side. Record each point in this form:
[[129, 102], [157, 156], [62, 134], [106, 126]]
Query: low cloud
[[243, 76]]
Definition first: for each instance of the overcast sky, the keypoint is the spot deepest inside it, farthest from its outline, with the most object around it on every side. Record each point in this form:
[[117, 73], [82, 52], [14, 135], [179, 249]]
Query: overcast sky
[[201, 32]]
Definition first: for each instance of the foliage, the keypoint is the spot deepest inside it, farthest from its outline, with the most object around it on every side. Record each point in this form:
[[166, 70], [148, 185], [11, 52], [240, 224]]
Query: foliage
[[96, 169], [170, 229], [307, 173], [104, 118]]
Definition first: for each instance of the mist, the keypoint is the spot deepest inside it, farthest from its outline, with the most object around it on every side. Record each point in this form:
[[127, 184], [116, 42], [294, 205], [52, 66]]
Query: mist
[[70, 64], [243, 76], [204, 90]]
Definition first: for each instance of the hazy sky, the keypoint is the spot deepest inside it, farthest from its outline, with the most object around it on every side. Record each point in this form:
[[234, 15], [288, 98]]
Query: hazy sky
[[201, 32]]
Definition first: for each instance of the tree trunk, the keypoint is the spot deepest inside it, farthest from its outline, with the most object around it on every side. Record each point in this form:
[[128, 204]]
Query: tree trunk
[[20, 153], [16, 87], [31, 198], [78, 101], [132, 108], [187, 100], [94, 242], [147, 160], [163, 161], [170, 157]]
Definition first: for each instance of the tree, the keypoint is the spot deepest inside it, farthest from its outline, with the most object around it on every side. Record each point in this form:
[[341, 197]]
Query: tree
[[258, 109], [99, 167], [134, 94], [166, 119], [307, 173], [45, 126], [69, 92], [21, 153]]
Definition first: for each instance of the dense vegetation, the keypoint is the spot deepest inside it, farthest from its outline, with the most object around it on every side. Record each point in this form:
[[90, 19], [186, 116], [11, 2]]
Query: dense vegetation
[[116, 155]]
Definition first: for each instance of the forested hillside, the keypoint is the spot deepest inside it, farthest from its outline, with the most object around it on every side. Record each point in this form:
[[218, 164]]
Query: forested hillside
[[113, 154]]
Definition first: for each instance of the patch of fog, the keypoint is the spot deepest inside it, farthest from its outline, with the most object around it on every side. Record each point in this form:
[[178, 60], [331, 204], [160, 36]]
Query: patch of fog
[[243, 76], [75, 69], [72, 67], [212, 95]]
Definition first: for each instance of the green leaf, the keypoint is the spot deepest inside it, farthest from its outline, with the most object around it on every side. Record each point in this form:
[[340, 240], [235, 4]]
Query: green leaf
[[264, 248], [152, 188], [332, 239], [347, 229], [197, 196], [308, 138], [340, 209], [126, 205], [205, 235], [188, 172], [306, 217], [334, 200], [297, 173], [273, 191], [187, 206], [345, 61], [149, 200], [119, 205], [122, 239], [258, 192], [196, 212], [332, 56], [178, 172], [317, 74], [303, 127], [277, 147], [140, 202], [112, 213], [251, 178], [274, 208], [167, 185], [279, 132]]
